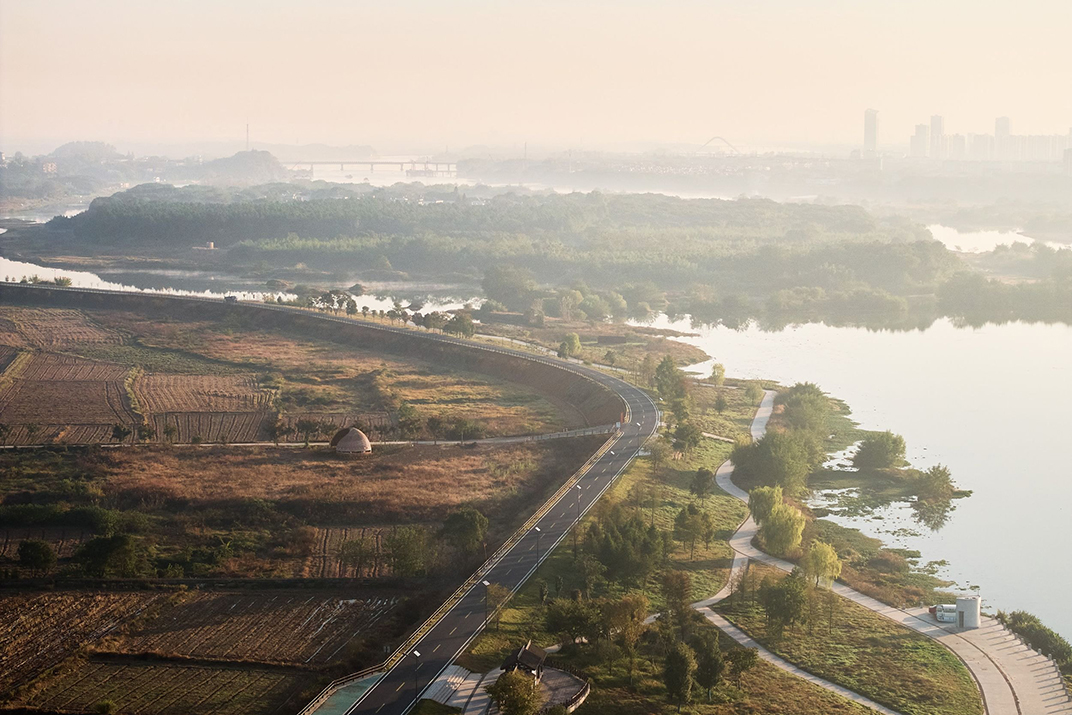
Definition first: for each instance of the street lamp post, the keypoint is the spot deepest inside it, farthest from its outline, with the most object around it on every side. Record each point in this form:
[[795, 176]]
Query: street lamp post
[[487, 585], [537, 530], [416, 665]]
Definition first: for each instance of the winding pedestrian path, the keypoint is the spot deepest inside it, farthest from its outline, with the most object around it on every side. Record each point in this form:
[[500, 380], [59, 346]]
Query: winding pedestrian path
[[1012, 678]]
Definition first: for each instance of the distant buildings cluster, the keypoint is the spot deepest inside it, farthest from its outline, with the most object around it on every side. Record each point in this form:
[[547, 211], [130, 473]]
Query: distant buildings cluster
[[930, 141]]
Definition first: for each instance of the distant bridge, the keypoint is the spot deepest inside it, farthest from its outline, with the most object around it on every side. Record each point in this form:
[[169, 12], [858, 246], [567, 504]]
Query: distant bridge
[[412, 167]]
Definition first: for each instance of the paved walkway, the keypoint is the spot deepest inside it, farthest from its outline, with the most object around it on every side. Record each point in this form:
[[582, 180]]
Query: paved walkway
[[1013, 679]]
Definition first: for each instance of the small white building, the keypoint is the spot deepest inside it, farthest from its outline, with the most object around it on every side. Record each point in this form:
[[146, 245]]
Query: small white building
[[351, 440], [965, 613]]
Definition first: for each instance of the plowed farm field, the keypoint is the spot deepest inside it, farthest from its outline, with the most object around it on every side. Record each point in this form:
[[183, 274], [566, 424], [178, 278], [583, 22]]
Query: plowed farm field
[[51, 328], [213, 426], [169, 689], [46, 397], [278, 628], [37, 631], [200, 393]]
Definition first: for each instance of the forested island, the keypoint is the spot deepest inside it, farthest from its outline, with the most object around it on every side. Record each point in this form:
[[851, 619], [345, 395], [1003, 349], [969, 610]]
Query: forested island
[[716, 260]]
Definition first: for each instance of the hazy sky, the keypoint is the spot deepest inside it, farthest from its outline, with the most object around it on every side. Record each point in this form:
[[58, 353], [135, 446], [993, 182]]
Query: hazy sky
[[580, 74]]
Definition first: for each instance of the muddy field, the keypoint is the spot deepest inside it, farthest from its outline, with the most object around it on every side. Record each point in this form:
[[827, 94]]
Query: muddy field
[[273, 628], [150, 688], [38, 631]]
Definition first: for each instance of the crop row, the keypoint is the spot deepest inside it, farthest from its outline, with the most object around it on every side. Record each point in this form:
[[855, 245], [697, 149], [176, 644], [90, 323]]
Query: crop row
[[52, 327], [160, 393], [264, 628], [212, 426], [38, 631], [168, 689]]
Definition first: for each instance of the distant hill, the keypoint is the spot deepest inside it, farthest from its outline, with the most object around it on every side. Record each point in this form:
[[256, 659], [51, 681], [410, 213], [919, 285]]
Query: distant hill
[[94, 152], [245, 167]]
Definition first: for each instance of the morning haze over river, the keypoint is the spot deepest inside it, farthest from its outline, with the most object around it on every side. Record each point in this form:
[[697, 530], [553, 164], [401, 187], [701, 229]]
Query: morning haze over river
[[535, 358]]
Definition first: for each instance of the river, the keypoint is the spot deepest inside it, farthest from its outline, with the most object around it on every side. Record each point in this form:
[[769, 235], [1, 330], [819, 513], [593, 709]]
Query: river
[[989, 403]]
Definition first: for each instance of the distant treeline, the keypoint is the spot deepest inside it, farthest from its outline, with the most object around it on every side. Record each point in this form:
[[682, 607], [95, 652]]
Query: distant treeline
[[718, 261]]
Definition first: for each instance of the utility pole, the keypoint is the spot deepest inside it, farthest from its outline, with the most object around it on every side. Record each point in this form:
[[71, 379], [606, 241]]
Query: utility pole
[[416, 665]]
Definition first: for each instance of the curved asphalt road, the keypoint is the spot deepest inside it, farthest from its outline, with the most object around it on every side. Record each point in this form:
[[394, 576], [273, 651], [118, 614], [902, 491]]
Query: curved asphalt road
[[398, 690]]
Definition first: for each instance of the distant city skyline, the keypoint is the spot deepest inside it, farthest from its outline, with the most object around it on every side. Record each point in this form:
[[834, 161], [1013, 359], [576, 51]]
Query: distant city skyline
[[558, 74]]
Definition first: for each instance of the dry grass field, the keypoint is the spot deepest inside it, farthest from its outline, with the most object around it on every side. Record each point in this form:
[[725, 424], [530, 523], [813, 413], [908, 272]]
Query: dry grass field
[[283, 628], [38, 631], [150, 688], [395, 484]]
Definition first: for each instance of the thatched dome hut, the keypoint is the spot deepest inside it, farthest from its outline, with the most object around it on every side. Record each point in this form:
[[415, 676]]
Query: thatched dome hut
[[351, 440]]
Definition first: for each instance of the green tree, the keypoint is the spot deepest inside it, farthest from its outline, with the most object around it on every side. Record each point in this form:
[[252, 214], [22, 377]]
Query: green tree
[[5, 430], [702, 482], [570, 345], [718, 374], [568, 617], [687, 437], [308, 429], [170, 433], [753, 393], [590, 571], [355, 554], [782, 529], [625, 619], [461, 324], [880, 451], [146, 433], [31, 431], [762, 500], [678, 674], [407, 550], [120, 432], [646, 371], [669, 380], [677, 594], [37, 556], [821, 562], [659, 452], [436, 427], [935, 484], [783, 602], [709, 664], [410, 422], [721, 403], [741, 660], [278, 430], [515, 693], [110, 556], [466, 529]]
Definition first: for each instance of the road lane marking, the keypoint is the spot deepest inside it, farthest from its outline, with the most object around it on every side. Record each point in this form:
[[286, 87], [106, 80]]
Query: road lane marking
[[400, 686], [452, 630], [436, 648]]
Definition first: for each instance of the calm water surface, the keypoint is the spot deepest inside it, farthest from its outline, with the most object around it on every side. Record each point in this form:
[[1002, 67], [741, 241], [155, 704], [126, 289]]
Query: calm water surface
[[990, 403]]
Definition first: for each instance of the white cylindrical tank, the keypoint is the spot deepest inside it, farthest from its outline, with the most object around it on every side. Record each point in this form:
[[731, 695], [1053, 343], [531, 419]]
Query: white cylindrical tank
[[968, 611]]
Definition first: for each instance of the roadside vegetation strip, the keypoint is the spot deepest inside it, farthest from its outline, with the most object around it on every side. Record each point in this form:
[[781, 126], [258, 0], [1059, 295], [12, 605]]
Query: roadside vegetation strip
[[401, 652], [864, 652]]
